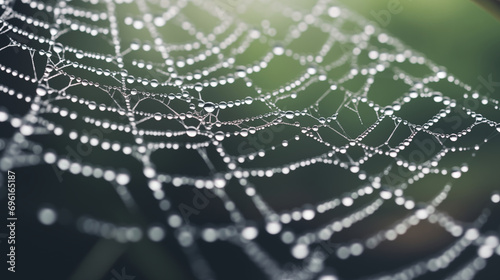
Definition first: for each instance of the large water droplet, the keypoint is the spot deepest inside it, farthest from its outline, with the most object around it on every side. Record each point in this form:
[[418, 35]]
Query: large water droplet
[[388, 111], [47, 216], [278, 50], [4, 114], [273, 227], [209, 107], [241, 72], [41, 91], [300, 251], [219, 136], [92, 105], [191, 131], [79, 54], [58, 48], [198, 86], [158, 116], [249, 233], [456, 172], [334, 12], [154, 83]]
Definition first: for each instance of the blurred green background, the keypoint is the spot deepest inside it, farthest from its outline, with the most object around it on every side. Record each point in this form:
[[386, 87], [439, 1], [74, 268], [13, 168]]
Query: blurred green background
[[457, 34]]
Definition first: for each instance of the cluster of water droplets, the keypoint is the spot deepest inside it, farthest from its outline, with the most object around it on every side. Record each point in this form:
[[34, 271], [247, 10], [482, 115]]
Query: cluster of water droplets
[[182, 80]]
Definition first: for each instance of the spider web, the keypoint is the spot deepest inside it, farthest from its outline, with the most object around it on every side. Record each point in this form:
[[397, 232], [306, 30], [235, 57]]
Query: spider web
[[271, 131]]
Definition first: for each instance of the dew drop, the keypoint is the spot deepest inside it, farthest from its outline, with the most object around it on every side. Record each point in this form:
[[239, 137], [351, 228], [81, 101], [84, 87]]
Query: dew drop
[[79, 54], [58, 48], [300, 251], [278, 50], [328, 277], [135, 45], [219, 182], [347, 201], [354, 168], [273, 227], [158, 116], [4, 114], [311, 70], [388, 111], [249, 233], [219, 136], [334, 12], [198, 87], [240, 72], [156, 233], [154, 83], [92, 105], [41, 91], [456, 172], [209, 107], [191, 131], [495, 197], [47, 216]]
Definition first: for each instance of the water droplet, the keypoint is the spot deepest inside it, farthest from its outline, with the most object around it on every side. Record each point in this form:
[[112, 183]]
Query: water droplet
[[453, 137], [422, 213], [47, 216], [219, 182], [278, 50], [254, 33], [388, 111], [154, 83], [456, 172], [393, 153], [311, 70], [328, 277], [300, 251], [79, 54], [249, 233], [156, 233], [241, 72], [122, 179], [273, 227], [92, 105], [437, 97], [191, 131], [158, 116], [58, 48], [135, 45], [41, 91], [495, 197], [385, 193], [354, 168], [347, 201], [334, 12], [209, 107], [4, 114], [219, 136], [198, 86]]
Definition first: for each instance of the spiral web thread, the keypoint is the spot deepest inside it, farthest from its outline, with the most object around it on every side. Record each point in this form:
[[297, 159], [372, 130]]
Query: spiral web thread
[[182, 76]]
